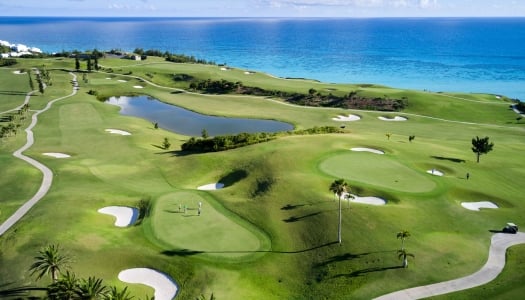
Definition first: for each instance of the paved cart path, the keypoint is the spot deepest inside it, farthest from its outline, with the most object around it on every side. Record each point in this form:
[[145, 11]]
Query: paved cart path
[[494, 265], [48, 174]]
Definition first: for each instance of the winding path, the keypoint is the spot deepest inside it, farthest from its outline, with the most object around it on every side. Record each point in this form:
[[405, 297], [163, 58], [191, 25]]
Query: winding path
[[494, 265], [48, 174]]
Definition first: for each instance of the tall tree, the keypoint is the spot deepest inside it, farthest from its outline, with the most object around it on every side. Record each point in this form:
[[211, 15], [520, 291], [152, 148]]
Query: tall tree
[[339, 187], [403, 235], [77, 63], [481, 146], [89, 67], [404, 254], [31, 83], [49, 261], [204, 133]]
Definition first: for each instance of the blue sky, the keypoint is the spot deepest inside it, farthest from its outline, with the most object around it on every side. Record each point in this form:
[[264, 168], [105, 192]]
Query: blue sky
[[264, 8]]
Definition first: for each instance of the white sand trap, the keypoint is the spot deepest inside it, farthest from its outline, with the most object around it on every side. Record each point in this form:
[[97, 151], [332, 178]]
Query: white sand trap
[[394, 119], [57, 155], [125, 216], [365, 200], [477, 205], [359, 149], [211, 186], [165, 288], [138, 86], [224, 69], [118, 131], [347, 118], [435, 172], [120, 80], [17, 72], [108, 78]]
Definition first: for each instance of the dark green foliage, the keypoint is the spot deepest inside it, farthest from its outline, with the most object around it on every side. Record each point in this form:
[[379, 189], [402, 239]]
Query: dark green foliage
[[4, 62], [481, 146], [77, 63], [144, 206], [49, 262], [226, 142], [182, 77], [411, 138], [204, 133], [520, 106], [313, 98], [93, 92], [166, 143], [31, 83]]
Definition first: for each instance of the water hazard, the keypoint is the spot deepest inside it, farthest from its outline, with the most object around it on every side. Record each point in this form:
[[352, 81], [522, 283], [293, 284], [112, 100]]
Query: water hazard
[[186, 122]]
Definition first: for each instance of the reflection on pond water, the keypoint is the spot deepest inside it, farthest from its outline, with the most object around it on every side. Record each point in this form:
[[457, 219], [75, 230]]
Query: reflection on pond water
[[190, 123]]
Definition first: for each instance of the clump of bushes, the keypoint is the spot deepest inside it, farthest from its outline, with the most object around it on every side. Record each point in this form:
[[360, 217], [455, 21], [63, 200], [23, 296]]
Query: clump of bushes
[[227, 142]]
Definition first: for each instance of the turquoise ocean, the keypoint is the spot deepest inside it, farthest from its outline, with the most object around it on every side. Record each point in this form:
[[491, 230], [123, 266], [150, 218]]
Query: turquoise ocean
[[437, 54]]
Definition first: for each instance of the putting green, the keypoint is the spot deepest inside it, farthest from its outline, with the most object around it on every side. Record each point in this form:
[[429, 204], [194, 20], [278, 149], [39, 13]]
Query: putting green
[[378, 170], [211, 233]]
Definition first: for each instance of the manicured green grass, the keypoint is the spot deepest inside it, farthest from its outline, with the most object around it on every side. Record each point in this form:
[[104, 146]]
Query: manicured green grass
[[212, 232], [270, 233]]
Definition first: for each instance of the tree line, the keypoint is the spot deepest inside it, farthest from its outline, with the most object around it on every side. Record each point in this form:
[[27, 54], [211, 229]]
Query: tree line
[[227, 142], [314, 98]]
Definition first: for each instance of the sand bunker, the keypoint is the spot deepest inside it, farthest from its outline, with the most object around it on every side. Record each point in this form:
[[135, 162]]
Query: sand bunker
[[395, 119], [57, 155], [435, 172], [126, 216], [120, 80], [17, 72], [365, 200], [368, 150], [477, 205], [138, 86], [108, 77], [211, 186], [347, 118], [165, 288], [118, 131]]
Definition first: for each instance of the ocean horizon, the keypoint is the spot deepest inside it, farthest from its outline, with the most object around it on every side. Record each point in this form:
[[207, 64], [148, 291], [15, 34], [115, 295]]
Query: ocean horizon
[[473, 55]]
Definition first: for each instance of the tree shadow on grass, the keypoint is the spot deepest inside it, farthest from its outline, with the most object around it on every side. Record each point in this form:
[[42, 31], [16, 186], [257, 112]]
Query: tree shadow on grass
[[367, 270], [12, 93], [290, 206], [452, 159], [295, 219], [233, 177], [189, 252]]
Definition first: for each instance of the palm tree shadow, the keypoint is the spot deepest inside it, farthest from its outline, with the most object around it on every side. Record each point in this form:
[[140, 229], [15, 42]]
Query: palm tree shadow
[[295, 219], [452, 159], [367, 270], [290, 206], [189, 252]]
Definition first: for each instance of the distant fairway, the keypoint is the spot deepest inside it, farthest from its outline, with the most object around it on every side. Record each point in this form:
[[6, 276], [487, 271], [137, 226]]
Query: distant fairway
[[378, 170], [212, 232]]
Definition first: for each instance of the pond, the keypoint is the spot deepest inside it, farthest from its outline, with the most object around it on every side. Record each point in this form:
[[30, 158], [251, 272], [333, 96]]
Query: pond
[[186, 122]]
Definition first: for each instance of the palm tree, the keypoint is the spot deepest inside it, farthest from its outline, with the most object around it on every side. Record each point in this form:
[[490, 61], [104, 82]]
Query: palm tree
[[115, 294], [91, 289], [403, 254], [49, 261], [481, 146], [339, 187], [403, 235], [65, 288]]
